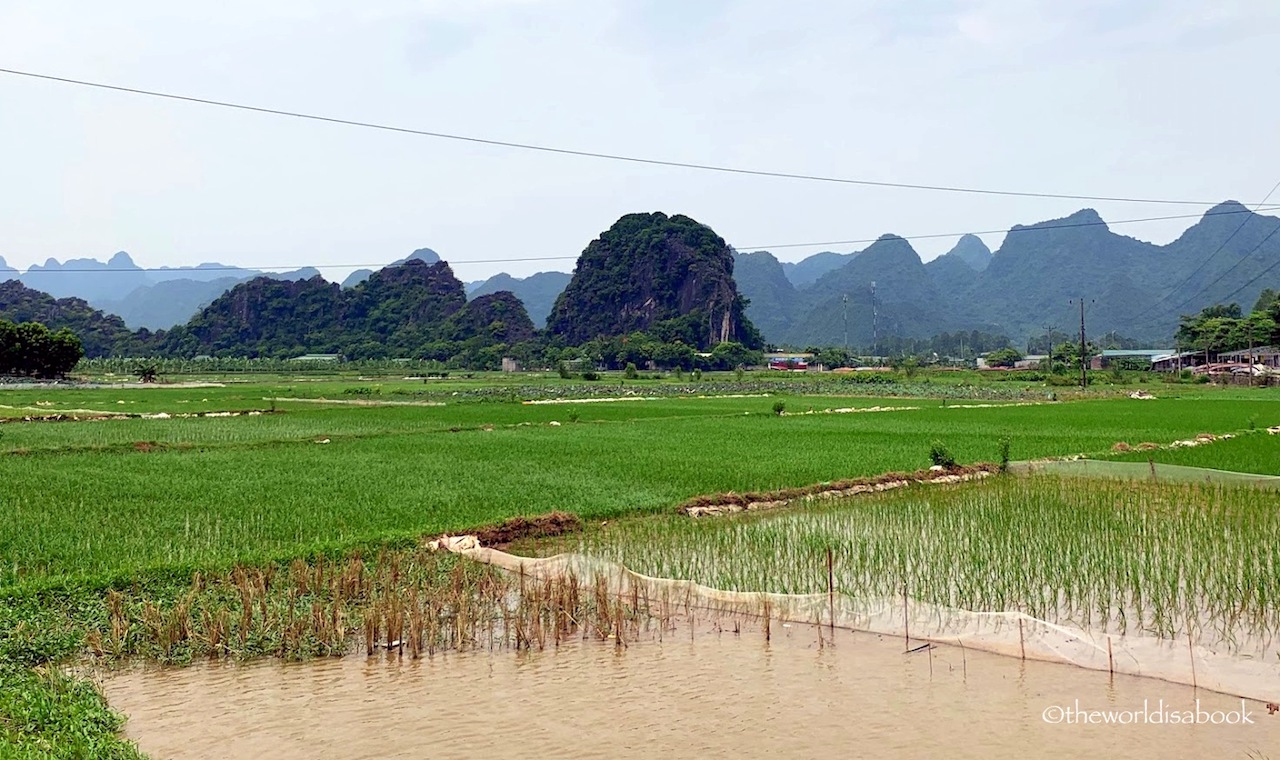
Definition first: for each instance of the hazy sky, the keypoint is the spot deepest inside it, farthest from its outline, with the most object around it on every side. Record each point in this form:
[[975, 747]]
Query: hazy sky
[[1153, 98]]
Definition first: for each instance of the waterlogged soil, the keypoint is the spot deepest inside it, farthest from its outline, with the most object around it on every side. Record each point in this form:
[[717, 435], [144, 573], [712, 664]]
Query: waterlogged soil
[[680, 694]]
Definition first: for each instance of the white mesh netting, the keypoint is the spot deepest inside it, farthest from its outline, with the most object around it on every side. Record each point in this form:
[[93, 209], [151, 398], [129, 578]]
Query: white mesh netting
[[1254, 676]]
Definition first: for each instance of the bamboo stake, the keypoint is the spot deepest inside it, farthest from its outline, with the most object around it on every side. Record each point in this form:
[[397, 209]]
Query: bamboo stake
[[831, 592]]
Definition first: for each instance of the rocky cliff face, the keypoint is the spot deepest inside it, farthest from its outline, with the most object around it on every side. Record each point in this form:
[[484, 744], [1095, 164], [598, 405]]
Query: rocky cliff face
[[654, 273]]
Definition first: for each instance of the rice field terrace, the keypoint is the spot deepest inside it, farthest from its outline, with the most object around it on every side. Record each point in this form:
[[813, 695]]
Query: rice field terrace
[[284, 515], [176, 491], [1124, 558], [1255, 451]]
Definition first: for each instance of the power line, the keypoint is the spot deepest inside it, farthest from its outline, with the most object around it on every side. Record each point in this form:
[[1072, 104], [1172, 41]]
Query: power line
[[1261, 274], [1229, 270], [1025, 228], [591, 154], [1020, 229], [1206, 261]]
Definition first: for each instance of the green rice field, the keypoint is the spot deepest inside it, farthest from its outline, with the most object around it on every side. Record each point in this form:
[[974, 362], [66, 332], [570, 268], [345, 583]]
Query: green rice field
[[188, 491], [140, 520], [1104, 555], [1257, 452]]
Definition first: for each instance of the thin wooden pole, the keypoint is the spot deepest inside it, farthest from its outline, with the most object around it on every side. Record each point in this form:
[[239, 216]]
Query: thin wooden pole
[[906, 624], [831, 592], [1192, 654], [1022, 645]]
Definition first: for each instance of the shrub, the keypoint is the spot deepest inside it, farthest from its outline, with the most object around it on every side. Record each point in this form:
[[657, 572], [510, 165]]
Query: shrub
[[630, 372], [590, 375], [941, 456], [697, 374], [1004, 454], [779, 407]]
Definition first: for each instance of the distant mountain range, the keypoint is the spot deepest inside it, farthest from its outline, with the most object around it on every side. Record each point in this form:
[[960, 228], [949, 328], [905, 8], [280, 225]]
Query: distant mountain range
[[151, 298], [538, 291], [1135, 288]]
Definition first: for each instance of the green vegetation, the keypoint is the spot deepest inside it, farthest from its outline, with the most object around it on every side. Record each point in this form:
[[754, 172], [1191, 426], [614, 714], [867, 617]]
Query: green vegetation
[[668, 276], [1116, 556], [31, 349], [414, 309], [138, 525], [101, 334], [45, 713], [1257, 452], [1222, 327], [1004, 357], [189, 491]]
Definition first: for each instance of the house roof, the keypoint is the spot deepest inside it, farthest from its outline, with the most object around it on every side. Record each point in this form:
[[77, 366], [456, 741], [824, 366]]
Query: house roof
[[1150, 352]]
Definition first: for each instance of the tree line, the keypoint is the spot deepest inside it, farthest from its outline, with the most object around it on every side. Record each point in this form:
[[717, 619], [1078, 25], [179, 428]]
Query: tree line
[[29, 349], [1224, 327]]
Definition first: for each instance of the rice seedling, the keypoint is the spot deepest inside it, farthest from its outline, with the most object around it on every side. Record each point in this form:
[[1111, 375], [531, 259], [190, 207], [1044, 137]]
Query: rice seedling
[[248, 489], [1170, 560], [1257, 452]]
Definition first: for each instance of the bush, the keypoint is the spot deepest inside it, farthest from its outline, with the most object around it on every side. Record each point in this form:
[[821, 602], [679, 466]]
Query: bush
[[779, 407], [697, 374], [563, 369], [941, 456], [630, 372], [1004, 454], [589, 375]]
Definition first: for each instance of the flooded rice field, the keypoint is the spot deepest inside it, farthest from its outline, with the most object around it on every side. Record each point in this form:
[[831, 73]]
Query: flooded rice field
[[713, 693]]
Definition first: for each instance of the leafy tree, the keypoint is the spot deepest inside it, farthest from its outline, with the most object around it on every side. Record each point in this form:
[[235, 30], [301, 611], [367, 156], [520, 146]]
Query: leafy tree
[[1004, 357], [675, 355], [1222, 328], [1267, 299], [30, 349], [730, 355]]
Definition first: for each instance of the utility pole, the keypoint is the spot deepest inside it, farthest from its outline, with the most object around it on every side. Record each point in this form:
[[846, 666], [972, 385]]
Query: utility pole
[[875, 334], [1250, 329], [1048, 347], [845, 300], [1084, 359]]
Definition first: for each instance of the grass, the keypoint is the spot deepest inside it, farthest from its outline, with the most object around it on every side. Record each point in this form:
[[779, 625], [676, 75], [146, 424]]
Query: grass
[[1257, 452], [1121, 557], [170, 533], [254, 488], [45, 713]]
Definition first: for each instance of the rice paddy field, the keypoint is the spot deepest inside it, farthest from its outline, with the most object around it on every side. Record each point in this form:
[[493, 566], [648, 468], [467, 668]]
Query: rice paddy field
[[1126, 558], [142, 515], [297, 474]]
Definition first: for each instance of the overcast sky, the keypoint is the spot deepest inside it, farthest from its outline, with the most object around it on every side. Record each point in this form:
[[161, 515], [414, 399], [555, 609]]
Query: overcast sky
[[1151, 98]]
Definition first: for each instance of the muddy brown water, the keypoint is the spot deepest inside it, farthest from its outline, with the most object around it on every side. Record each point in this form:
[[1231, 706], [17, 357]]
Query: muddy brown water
[[712, 694]]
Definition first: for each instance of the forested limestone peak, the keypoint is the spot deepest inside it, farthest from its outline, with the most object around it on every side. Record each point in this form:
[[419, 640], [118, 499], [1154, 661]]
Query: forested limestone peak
[[666, 275]]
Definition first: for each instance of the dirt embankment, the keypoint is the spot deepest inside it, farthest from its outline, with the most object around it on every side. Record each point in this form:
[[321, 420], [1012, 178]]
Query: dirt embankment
[[717, 504], [502, 534], [88, 415]]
